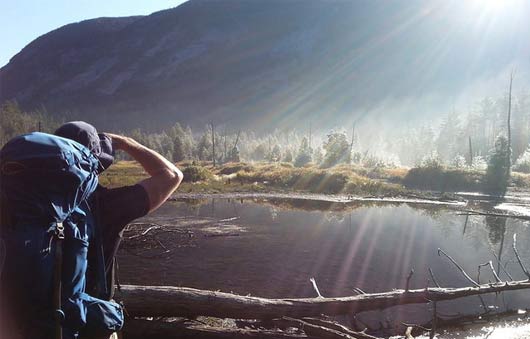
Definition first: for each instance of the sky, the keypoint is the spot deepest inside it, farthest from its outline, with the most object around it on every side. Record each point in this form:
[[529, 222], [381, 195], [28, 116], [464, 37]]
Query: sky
[[25, 20]]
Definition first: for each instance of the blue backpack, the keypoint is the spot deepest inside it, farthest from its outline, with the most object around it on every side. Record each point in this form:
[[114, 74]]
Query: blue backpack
[[45, 183]]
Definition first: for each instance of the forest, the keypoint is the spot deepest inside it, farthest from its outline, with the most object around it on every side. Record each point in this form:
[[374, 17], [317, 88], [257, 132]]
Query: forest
[[463, 151]]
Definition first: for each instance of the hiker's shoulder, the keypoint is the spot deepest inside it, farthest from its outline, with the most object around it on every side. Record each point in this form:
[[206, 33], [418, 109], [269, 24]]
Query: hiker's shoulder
[[120, 201], [103, 192]]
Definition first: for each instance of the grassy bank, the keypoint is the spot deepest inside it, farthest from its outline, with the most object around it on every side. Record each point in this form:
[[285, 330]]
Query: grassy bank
[[443, 180], [242, 177], [267, 177]]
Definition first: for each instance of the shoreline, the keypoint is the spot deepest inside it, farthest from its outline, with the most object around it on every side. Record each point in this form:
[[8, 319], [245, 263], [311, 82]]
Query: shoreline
[[337, 198]]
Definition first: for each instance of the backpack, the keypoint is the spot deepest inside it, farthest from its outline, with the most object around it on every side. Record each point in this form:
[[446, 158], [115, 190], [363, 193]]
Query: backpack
[[45, 183]]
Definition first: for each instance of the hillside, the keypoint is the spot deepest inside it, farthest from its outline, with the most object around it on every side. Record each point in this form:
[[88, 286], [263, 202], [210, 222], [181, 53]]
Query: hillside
[[261, 64]]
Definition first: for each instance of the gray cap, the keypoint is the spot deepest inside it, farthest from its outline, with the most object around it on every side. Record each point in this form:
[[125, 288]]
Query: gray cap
[[99, 144]]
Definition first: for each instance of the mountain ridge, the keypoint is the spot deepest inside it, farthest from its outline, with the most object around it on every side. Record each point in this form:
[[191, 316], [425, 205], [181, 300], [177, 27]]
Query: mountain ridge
[[250, 63]]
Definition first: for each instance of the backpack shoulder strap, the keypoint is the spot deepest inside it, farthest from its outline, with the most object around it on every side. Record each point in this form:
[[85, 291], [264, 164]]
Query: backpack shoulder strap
[[57, 280], [97, 284]]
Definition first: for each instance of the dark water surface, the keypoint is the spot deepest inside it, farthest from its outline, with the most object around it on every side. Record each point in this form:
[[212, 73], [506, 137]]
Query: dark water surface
[[272, 249]]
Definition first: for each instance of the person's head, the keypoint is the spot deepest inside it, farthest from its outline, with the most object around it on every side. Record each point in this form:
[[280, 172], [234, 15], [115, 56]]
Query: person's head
[[99, 144]]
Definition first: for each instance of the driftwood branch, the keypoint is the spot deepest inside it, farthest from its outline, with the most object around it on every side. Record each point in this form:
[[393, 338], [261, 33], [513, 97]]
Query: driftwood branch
[[317, 331], [518, 257], [433, 278], [154, 301], [315, 287], [459, 267], [490, 264], [490, 214], [146, 329], [358, 290], [338, 327], [408, 280], [501, 266]]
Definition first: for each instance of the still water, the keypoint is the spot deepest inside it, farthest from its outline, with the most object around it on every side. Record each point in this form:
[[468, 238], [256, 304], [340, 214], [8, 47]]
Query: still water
[[272, 247]]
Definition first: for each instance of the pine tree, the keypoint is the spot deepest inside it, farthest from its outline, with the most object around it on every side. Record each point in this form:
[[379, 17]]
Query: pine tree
[[304, 154], [497, 174], [337, 149]]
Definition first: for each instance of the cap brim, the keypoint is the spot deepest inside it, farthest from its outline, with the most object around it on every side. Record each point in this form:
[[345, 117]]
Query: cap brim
[[106, 157]]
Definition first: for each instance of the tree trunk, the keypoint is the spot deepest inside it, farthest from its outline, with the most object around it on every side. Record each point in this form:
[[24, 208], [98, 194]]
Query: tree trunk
[[509, 157], [470, 153], [155, 301]]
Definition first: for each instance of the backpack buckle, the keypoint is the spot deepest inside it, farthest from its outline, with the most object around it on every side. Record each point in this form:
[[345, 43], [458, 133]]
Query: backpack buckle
[[59, 231]]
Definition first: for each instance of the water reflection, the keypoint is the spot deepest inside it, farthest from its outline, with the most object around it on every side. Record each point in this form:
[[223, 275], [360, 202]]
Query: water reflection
[[371, 246]]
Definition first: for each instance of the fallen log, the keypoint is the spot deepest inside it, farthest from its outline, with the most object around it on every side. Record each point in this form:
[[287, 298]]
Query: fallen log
[[156, 329], [166, 301], [321, 328]]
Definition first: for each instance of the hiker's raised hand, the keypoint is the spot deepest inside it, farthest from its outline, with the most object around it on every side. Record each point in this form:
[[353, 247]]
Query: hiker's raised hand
[[119, 142]]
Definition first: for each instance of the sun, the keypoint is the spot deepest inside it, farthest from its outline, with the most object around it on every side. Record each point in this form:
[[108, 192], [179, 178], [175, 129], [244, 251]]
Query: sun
[[501, 12], [493, 5]]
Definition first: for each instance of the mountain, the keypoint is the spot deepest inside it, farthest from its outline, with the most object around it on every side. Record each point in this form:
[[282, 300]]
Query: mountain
[[270, 64]]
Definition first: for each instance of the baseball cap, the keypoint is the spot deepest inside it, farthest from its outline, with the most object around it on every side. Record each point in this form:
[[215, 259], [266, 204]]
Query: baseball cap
[[98, 143]]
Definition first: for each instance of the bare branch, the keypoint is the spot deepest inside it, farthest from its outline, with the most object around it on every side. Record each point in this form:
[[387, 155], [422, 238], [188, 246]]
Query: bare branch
[[358, 290], [490, 264], [518, 257], [500, 215], [433, 278], [432, 332], [316, 330], [502, 266], [408, 279], [459, 267], [315, 287], [338, 327], [408, 333], [497, 278]]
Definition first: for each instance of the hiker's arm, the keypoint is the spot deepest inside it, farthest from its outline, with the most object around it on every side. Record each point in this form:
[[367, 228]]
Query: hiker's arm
[[164, 176]]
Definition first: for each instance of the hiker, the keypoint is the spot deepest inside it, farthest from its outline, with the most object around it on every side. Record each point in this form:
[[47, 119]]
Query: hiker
[[46, 176], [115, 208]]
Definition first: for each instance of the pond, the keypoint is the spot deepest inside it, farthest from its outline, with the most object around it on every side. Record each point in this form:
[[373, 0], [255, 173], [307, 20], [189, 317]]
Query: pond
[[271, 248]]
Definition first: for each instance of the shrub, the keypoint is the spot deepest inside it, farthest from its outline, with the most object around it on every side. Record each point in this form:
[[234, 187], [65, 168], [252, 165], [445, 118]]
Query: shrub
[[302, 159], [479, 163], [234, 167], [523, 163], [195, 173], [458, 161], [439, 179], [497, 173], [337, 150], [431, 160]]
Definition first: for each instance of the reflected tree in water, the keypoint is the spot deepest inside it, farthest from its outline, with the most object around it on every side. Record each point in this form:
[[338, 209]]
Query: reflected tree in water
[[496, 227]]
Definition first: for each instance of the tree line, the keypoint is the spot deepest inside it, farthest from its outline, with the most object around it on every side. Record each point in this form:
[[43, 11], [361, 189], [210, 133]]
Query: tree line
[[462, 140]]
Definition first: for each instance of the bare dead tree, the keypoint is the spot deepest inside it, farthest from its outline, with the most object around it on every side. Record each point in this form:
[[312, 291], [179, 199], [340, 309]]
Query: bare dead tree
[[213, 143], [224, 153], [310, 131], [352, 142], [509, 156], [237, 139], [470, 152]]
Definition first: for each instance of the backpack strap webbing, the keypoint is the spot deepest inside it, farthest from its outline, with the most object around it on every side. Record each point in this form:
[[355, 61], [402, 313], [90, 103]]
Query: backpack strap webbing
[[57, 283], [103, 289]]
